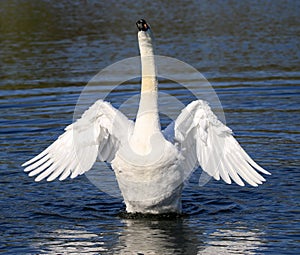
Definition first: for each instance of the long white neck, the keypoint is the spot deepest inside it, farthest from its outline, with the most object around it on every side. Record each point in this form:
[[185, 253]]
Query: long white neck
[[147, 121], [149, 81]]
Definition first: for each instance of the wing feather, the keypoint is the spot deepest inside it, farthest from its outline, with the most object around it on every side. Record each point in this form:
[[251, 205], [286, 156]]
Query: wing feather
[[216, 150], [98, 132]]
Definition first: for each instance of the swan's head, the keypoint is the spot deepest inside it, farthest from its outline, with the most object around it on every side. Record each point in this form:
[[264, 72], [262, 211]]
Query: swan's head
[[145, 38], [142, 25]]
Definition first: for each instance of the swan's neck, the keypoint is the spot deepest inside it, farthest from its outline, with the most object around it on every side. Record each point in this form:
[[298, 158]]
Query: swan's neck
[[147, 121], [149, 81]]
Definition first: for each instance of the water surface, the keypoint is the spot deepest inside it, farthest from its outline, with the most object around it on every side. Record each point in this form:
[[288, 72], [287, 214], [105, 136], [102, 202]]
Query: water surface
[[248, 50]]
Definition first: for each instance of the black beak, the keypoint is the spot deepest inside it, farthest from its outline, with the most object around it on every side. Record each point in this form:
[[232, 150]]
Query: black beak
[[142, 25]]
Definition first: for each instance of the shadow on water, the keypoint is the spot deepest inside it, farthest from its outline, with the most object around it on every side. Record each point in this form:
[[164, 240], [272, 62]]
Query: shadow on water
[[148, 216]]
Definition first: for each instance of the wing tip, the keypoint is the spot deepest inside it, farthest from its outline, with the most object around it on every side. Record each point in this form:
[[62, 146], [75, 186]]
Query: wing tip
[[37, 179], [31, 174], [240, 183], [74, 175], [62, 178], [25, 164], [260, 169], [30, 161], [50, 179], [26, 170], [228, 181]]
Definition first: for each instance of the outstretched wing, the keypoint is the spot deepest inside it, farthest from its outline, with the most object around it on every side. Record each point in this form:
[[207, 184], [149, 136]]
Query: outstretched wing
[[99, 131], [207, 142]]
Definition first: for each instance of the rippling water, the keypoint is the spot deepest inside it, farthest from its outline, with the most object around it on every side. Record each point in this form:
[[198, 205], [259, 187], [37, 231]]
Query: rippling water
[[248, 50]]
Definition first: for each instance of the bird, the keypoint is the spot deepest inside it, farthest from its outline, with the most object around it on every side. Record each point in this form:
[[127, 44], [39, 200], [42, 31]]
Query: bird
[[151, 165]]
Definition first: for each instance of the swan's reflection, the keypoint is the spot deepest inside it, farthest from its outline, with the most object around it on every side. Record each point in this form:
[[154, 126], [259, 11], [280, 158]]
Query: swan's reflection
[[148, 236], [157, 237], [136, 236], [179, 237]]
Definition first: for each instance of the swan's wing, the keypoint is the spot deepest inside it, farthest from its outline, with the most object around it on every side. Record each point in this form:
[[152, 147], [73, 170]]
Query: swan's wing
[[99, 131], [207, 141]]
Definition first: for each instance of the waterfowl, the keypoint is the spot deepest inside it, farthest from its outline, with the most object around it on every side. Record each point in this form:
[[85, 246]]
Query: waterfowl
[[150, 164]]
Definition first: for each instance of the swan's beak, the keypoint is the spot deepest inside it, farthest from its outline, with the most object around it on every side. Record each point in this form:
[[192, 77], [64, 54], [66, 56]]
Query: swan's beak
[[142, 25]]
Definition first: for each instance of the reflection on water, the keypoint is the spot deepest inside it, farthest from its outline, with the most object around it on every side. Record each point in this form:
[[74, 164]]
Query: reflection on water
[[248, 50], [177, 237], [145, 236], [70, 241], [233, 241], [158, 237]]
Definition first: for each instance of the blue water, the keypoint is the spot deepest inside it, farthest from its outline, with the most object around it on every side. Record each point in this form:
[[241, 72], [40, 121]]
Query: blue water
[[249, 52]]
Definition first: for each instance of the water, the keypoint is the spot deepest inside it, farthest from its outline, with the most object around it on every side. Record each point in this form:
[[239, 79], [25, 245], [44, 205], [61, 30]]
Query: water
[[249, 51]]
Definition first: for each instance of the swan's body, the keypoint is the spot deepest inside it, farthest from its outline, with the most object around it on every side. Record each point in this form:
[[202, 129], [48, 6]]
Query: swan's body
[[150, 165]]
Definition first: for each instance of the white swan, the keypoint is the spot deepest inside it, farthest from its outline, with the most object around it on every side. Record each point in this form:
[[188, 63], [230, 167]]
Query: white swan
[[150, 165]]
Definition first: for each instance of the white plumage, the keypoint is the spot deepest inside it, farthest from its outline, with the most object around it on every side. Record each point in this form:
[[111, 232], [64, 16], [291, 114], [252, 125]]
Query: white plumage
[[150, 165]]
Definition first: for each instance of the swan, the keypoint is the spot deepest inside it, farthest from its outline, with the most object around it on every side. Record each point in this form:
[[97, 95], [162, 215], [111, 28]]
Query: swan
[[150, 164]]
